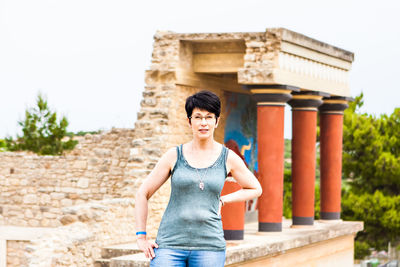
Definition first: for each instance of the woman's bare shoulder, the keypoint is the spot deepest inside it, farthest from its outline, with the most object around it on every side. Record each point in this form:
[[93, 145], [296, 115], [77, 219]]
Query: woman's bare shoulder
[[170, 156], [171, 152]]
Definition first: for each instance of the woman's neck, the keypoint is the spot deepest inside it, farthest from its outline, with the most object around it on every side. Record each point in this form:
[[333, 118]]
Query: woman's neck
[[207, 144]]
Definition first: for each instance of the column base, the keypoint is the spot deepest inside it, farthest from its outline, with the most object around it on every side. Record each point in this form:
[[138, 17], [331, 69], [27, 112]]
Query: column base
[[329, 215], [297, 220], [234, 234], [269, 227]]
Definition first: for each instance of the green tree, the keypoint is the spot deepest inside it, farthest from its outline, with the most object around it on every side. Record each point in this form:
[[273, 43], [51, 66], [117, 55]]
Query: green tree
[[3, 145], [42, 133], [371, 150], [381, 216], [371, 164]]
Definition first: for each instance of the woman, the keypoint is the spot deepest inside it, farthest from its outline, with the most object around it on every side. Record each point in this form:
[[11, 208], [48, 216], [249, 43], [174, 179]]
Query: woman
[[190, 233]]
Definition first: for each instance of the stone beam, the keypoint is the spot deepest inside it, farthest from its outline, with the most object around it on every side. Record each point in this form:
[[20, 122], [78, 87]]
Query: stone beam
[[192, 55], [218, 57]]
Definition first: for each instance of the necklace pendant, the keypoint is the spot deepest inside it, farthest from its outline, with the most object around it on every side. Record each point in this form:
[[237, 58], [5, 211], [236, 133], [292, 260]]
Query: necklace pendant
[[201, 185]]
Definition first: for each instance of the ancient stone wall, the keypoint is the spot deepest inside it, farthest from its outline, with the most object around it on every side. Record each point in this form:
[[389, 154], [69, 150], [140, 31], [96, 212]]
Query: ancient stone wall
[[34, 189], [16, 253], [87, 228]]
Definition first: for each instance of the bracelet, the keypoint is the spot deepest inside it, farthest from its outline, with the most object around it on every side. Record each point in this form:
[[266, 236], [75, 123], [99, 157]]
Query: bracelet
[[141, 233], [222, 202]]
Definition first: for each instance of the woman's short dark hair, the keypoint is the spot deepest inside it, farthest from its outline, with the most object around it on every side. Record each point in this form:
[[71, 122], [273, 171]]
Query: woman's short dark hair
[[205, 100]]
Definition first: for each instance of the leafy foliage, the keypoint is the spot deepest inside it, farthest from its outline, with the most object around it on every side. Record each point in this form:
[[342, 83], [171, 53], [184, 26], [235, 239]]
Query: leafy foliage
[[381, 216], [371, 149], [42, 133], [371, 161], [3, 145], [82, 133]]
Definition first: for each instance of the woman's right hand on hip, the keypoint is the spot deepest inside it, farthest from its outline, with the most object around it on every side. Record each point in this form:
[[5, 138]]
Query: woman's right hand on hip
[[147, 247]]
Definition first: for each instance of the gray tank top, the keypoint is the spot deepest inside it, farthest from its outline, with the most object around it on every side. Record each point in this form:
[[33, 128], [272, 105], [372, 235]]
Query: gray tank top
[[191, 219]]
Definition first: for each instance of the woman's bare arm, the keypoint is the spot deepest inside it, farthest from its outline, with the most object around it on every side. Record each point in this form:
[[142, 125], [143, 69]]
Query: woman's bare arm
[[251, 188], [151, 184]]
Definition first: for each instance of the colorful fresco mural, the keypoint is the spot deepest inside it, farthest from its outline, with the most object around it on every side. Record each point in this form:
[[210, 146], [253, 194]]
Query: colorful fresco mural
[[241, 131]]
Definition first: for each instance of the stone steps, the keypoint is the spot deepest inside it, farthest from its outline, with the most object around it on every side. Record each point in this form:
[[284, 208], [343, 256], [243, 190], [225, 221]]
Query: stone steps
[[133, 260], [119, 250], [122, 255]]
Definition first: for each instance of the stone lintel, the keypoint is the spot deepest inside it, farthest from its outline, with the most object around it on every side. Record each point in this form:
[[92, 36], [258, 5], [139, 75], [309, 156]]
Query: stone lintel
[[305, 41], [286, 35]]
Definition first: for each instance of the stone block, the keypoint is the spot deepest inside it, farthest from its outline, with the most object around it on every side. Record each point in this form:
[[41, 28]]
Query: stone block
[[68, 189], [138, 143], [93, 161], [66, 202], [148, 102], [141, 115], [159, 113], [57, 196], [49, 215], [83, 183], [45, 199], [254, 44], [136, 159], [152, 152], [102, 152], [30, 199], [68, 219], [80, 165], [34, 223], [28, 214]]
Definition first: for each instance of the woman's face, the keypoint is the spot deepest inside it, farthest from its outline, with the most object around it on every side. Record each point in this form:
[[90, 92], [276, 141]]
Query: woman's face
[[203, 123]]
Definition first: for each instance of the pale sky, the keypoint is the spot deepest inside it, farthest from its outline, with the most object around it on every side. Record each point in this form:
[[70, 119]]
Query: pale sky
[[88, 57]]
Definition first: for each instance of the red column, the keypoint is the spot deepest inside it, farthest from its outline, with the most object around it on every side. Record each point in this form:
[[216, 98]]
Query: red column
[[304, 135], [331, 135], [270, 128], [271, 101], [233, 213]]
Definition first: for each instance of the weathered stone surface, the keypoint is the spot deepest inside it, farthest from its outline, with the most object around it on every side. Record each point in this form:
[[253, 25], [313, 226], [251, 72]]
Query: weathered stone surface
[[67, 219], [30, 199], [83, 183], [80, 164]]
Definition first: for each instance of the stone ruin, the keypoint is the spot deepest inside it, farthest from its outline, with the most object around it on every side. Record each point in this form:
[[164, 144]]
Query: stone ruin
[[62, 210]]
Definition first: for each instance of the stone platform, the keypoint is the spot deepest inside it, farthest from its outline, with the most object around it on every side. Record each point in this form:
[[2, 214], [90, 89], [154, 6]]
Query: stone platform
[[324, 244]]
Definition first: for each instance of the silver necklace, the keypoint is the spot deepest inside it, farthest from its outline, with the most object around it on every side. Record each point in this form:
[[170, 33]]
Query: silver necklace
[[201, 183]]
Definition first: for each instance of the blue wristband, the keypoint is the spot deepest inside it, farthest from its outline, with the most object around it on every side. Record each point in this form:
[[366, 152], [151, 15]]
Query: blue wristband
[[141, 233]]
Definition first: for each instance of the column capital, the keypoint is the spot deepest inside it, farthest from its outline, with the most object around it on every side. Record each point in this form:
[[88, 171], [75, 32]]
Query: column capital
[[307, 100], [271, 94], [334, 104]]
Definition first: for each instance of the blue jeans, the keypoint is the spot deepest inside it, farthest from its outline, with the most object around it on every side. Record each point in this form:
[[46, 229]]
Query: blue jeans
[[166, 257]]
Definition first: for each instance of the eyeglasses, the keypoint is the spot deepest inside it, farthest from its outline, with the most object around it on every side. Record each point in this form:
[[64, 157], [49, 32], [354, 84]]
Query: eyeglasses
[[198, 118]]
